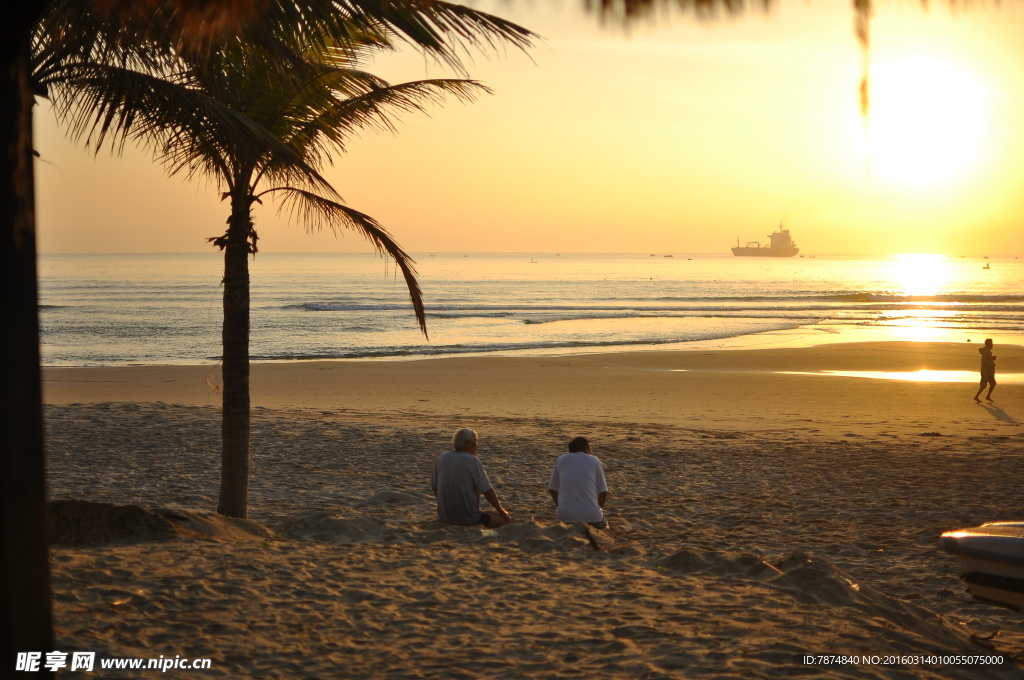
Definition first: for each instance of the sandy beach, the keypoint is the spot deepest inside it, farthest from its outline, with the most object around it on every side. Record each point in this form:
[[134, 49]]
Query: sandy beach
[[760, 511]]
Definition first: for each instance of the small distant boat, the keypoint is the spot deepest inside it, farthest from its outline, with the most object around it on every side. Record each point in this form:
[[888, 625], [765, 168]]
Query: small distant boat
[[781, 245], [986, 266], [533, 261], [666, 256], [991, 560]]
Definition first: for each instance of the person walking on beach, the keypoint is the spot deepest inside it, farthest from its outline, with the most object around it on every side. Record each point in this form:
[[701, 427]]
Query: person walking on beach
[[988, 370], [458, 481], [578, 486]]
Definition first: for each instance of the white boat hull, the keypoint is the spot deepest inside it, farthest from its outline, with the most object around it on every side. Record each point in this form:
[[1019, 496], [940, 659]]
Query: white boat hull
[[991, 559]]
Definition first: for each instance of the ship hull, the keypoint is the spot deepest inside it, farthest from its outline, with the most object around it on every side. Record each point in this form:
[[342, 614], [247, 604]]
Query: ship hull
[[765, 252]]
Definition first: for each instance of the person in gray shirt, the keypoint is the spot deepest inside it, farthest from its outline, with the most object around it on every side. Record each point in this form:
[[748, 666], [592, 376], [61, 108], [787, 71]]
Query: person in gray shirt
[[458, 481]]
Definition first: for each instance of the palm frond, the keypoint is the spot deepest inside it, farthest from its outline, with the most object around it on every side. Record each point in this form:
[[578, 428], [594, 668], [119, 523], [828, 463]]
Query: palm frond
[[108, 105], [72, 31], [444, 30], [317, 212], [324, 127]]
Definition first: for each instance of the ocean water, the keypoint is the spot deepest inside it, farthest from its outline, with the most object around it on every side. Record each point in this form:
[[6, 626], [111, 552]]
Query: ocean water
[[98, 310]]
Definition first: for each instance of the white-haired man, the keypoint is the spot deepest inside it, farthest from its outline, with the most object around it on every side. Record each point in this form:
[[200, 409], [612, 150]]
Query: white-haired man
[[458, 481]]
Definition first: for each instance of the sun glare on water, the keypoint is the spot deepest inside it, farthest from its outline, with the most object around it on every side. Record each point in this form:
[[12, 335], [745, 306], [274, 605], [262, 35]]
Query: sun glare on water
[[920, 274], [926, 125]]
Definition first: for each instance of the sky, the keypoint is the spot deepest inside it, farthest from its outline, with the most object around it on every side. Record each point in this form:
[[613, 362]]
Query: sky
[[672, 136]]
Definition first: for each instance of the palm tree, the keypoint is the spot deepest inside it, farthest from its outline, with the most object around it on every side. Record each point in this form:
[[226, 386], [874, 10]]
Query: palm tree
[[262, 121], [311, 113]]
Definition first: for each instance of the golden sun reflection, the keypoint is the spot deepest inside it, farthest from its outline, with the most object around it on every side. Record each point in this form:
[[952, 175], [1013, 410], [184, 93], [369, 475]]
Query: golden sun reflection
[[918, 278], [920, 274], [923, 375], [919, 325]]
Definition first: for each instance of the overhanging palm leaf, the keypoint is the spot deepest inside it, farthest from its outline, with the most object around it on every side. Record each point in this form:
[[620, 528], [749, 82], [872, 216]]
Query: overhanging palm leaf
[[442, 29], [329, 122], [445, 30], [103, 101], [317, 212]]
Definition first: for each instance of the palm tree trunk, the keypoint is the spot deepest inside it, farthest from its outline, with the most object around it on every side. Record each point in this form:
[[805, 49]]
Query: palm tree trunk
[[25, 618], [234, 481]]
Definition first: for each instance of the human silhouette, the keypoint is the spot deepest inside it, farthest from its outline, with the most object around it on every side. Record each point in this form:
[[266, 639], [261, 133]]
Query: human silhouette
[[988, 370]]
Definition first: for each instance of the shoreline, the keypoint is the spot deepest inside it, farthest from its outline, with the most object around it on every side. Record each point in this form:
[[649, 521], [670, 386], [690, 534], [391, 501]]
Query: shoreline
[[796, 337], [748, 389]]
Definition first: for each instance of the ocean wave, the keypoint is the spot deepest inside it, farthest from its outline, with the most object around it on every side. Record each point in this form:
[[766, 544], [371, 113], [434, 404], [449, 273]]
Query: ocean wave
[[845, 296], [521, 346], [740, 314], [711, 305], [351, 307], [971, 324], [132, 309], [375, 353], [469, 315]]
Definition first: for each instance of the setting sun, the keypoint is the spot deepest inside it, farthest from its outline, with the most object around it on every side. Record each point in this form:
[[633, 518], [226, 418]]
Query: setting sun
[[927, 122]]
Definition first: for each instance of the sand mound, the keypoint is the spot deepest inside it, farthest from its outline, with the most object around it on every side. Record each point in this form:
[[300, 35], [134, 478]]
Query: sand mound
[[324, 527], [540, 537], [388, 497], [814, 585], [726, 565], [817, 583], [80, 523], [204, 524], [530, 536]]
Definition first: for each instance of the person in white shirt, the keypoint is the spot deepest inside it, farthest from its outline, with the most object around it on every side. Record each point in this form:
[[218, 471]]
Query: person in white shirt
[[578, 486]]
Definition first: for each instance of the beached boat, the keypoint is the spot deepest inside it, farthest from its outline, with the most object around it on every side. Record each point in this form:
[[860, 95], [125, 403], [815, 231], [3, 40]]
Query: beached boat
[[991, 559], [780, 245]]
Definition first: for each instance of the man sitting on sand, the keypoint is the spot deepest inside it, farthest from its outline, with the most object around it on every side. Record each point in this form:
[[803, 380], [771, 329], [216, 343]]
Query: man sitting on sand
[[988, 370], [578, 486], [457, 482]]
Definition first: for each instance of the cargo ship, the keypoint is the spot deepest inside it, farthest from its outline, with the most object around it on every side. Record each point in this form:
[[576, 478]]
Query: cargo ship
[[781, 245]]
